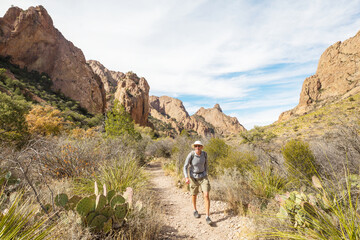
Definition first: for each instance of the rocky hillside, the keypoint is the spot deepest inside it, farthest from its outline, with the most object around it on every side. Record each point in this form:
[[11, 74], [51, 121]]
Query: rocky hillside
[[336, 78], [131, 91], [206, 122], [224, 125], [31, 40]]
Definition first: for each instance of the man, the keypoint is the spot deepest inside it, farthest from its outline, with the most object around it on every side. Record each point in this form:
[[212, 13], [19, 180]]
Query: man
[[197, 164]]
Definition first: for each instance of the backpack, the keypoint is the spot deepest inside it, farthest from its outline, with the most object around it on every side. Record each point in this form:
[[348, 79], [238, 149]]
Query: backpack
[[193, 155]]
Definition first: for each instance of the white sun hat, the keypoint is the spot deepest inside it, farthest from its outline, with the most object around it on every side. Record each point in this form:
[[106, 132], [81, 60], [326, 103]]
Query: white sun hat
[[197, 143]]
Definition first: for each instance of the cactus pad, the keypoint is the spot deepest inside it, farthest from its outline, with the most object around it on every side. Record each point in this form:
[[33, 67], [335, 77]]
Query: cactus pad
[[107, 225], [85, 206], [61, 200], [118, 199], [90, 216], [101, 202], [120, 211], [110, 195], [97, 223], [73, 201], [106, 211]]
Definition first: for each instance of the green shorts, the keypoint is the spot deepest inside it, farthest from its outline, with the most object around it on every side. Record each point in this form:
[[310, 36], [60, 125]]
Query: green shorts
[[203, 183]]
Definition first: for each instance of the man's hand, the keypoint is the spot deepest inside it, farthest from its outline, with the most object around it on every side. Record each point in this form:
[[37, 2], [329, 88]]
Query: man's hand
[[187, 180]]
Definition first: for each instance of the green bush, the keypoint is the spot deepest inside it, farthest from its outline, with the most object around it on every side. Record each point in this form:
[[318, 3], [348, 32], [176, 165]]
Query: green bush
[[216, 149], [120, 123], [299, 160], [13, 126], [242, 161]]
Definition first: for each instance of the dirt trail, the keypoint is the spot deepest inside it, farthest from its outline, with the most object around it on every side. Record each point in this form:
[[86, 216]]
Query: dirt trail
[[178, 213]]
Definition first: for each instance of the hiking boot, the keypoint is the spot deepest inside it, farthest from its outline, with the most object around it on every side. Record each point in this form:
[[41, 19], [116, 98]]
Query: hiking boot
[[196, 214], [208, 221]]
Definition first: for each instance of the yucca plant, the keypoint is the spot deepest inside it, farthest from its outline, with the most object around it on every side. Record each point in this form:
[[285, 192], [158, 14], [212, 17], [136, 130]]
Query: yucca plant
[[15, 223]]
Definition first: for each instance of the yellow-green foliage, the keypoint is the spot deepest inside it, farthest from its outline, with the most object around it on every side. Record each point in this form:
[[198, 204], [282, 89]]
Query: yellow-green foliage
[[120, 123], [299, 160], [319, 120], [242, 161], [257, 134], [18, 221], [216, 149], [45, 121], [12, 119]]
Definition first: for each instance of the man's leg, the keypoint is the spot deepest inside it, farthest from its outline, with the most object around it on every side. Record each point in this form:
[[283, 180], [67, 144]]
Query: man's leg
[[207, 203], [193, 198]]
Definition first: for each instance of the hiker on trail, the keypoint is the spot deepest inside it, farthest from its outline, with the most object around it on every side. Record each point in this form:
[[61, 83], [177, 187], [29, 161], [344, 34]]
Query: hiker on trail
[[197, 164]]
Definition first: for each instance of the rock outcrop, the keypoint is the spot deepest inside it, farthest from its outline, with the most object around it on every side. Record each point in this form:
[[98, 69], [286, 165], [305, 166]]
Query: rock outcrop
[[32, 41], [336, 77], [133, 93], [224, 125], [172, 112]]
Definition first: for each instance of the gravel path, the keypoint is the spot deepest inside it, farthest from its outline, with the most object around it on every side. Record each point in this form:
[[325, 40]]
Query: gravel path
[[177, 213]]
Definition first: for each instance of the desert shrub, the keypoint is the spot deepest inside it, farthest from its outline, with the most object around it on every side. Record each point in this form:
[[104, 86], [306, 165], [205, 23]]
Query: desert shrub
[[258, 134], [239, 160], [233, 187], [119, 123], [299, 160], [13, 127], [216, 149], [160, 148], [45, 121], [181, 149]]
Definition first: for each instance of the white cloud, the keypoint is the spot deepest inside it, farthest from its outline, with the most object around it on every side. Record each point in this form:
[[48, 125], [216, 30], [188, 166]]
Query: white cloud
[[181, 47]]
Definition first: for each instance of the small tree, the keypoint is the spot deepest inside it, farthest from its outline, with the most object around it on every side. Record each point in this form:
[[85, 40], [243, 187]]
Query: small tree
[[119, 123], [299, 160]]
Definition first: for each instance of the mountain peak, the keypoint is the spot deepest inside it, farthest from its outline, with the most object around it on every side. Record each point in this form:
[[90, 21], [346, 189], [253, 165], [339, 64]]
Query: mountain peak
[[217, 106]]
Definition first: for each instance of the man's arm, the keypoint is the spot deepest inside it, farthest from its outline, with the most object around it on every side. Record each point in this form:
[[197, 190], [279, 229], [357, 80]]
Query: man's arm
[[206, 164], [186, 165]]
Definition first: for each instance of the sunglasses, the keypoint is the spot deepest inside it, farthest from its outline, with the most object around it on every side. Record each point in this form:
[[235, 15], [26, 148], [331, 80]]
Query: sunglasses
[[197, 146]]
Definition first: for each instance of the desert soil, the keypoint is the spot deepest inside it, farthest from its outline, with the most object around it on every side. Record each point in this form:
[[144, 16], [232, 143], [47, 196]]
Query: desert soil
[[177, 213]]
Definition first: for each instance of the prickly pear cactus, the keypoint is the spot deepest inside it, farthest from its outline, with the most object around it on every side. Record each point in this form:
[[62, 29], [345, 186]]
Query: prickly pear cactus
[[61, 200], [73, 201], [97, 224], [85, 206], [118, 199], [120, 211], [110, 195], [100, 202]]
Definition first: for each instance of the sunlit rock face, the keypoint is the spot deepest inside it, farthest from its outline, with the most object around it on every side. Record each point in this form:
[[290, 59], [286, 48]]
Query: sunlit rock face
[[336, 77], [224, 125], [206, 122], [32, 41]]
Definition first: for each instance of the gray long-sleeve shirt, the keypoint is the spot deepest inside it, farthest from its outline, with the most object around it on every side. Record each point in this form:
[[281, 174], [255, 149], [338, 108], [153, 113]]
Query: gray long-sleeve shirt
[[198, 167]]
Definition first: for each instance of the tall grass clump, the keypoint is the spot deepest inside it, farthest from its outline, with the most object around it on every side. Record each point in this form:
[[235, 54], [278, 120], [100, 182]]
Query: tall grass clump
[[299, 160]]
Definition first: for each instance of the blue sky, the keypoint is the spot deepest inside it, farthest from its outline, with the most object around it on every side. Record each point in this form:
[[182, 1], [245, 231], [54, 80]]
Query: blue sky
[[251, 57]]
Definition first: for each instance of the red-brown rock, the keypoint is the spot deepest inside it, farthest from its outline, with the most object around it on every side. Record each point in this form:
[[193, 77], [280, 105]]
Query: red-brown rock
[[32, 41]]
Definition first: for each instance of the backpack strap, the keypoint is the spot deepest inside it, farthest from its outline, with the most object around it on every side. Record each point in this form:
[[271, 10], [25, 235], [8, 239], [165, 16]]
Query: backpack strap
[[192, 156]]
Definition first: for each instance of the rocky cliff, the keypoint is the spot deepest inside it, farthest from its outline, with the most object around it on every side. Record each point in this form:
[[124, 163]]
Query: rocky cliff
[[205, 122], [224, 125], [32, 41], [131, 91], [336, 77]]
